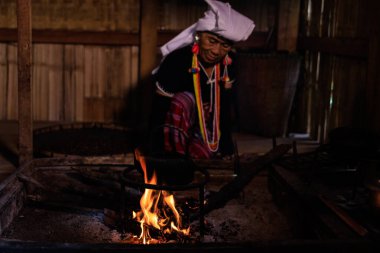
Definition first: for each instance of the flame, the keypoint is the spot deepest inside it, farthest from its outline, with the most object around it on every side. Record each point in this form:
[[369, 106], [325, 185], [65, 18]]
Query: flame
[[153, 212]]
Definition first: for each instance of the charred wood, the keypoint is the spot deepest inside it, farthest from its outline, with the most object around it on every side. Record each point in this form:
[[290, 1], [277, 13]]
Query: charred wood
[[83, 187], [11, 201]]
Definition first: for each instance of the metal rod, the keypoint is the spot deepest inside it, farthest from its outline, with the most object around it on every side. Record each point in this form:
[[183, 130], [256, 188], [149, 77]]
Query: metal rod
[[201, 211], [122, 207], [274, 141], [237, 168], [295, 154], [184, 187]]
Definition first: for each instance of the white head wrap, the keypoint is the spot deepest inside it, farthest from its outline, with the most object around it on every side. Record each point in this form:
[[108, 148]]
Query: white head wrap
[[220, 19]]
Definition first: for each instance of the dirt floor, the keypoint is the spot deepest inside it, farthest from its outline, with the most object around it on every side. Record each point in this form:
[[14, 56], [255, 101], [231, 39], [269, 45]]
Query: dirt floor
[[251, 217]]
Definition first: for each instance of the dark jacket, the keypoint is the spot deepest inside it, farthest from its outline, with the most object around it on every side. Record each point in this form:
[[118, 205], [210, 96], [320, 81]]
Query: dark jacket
[[173, 76]]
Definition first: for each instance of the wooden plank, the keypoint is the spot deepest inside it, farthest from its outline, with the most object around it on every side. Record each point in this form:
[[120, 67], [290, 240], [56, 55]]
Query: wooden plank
[[339, 46], [111, 38], [115, 72], [349, 91], [36, 80], [100, 71], [43, 83], [73, 82], [133, 94], [288, 19], [68, 62], [306, 206], [326, 70], [78, 80], [88, 80], [12, 89], [3, 80], [55, 82], [94, 109], [113, 109], [359, 229], [11, 201], [314, 17], [126, 73], [6, 168], [95, 71], [134, 66], [24, 38], [75, 37]]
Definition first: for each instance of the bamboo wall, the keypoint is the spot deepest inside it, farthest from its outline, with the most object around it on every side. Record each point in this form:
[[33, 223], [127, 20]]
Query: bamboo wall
[[332, 93], [71, 82], [94, 82]]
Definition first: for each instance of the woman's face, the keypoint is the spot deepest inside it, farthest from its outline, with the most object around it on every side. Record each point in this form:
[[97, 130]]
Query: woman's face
[[212, 48]]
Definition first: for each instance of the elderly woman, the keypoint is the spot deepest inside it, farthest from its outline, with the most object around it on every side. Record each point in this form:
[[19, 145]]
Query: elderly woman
[[194, 85]]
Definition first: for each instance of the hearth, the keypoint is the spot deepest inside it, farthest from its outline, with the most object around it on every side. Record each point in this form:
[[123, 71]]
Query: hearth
[[70, 204]]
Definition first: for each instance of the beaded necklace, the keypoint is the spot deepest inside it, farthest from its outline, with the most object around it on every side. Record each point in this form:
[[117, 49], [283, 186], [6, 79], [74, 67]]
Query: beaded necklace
[[213, 145]]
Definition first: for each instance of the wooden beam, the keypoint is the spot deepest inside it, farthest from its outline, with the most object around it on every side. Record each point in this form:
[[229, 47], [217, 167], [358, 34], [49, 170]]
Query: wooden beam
[[75, 37], [24, 55], [114, 38], [338, 46]]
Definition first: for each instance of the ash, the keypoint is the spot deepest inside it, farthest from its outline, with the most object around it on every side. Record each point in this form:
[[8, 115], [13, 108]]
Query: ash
[[252, 217], [44, 225]]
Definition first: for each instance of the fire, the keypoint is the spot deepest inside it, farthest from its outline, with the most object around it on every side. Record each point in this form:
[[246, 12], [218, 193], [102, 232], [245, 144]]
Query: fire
[[154, 205]]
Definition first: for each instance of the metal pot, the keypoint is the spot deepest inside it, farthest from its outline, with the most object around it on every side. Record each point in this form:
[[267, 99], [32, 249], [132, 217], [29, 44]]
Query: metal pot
[[170, 170]]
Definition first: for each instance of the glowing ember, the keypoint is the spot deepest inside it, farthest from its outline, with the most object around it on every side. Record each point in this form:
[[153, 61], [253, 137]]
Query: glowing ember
[[157, 209]]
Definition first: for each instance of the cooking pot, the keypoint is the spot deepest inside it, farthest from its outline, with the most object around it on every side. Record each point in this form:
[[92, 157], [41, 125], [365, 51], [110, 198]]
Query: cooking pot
[[169, 169]]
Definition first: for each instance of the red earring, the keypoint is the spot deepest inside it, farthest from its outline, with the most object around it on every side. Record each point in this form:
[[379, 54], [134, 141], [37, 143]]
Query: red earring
[[227, 60], [195, 48]]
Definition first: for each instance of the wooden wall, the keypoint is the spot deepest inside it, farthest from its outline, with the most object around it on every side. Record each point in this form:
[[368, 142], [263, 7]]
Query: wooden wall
[[71, 82], [84, 15], [79, 79], [334, 39]]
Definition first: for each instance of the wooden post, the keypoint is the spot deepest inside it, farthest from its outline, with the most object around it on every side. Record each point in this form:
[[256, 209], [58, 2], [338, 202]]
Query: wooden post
[[24, 28], [147, 56], [288, 20]]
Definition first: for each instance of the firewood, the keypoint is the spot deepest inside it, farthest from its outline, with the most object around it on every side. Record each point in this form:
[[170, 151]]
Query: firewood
[[27, 179]]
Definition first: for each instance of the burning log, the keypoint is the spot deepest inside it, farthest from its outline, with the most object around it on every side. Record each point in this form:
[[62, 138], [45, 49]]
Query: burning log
[[249, 170], [158, 208]]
